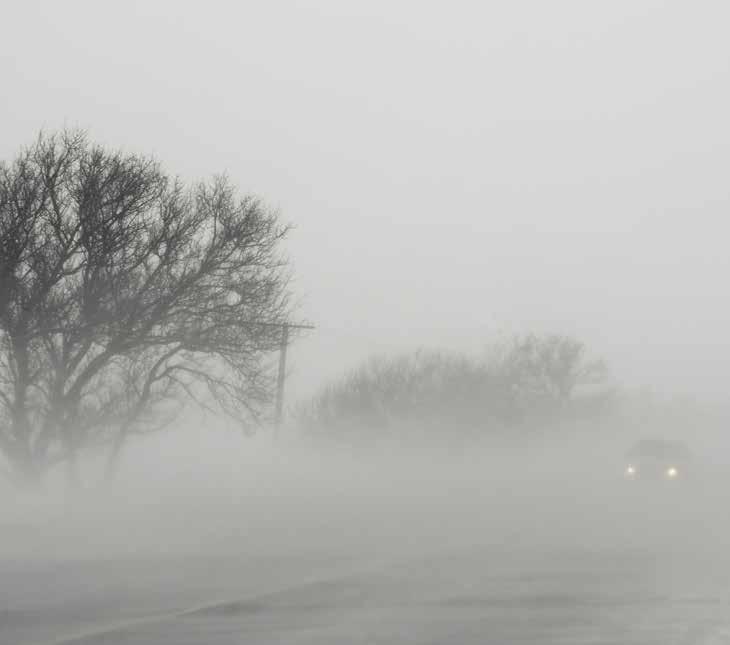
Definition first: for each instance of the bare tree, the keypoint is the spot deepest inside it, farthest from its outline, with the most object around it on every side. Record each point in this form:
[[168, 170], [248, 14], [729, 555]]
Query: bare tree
[[544, 372], [124, 293], [522, 383], [421, 393]]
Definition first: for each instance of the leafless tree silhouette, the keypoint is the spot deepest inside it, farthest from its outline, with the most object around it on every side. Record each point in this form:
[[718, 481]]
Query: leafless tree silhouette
[[526, 381], [124, 293]]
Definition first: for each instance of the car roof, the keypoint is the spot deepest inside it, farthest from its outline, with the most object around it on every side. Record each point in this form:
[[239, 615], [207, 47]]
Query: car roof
[[660, 449]]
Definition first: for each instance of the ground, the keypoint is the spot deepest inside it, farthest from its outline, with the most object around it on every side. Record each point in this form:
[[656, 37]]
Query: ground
[[411, 556], [497, 595]]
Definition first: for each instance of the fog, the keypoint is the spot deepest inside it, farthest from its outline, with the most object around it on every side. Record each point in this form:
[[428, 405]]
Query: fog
[[456, 176], [214, 493], [452, 172], [215, 538]]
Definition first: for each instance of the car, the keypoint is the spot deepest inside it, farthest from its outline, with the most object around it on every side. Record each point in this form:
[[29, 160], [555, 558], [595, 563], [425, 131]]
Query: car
[[658, 460]]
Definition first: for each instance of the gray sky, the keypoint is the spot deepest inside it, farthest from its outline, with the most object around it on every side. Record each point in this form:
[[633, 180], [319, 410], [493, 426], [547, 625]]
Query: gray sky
[[454, 170]]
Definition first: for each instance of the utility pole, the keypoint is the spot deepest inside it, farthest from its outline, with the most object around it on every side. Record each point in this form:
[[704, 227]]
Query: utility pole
[[281, 376]]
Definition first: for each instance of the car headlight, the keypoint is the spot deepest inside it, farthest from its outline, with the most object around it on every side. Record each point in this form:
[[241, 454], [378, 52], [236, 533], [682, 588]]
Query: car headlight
[[630, 471], [672, 472]]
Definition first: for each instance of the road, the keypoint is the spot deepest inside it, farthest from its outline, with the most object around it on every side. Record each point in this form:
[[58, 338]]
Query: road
[[496, 595], [405, 560]]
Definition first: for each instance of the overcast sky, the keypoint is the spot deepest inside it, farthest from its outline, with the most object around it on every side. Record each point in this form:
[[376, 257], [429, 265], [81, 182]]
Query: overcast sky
[[454, 170]]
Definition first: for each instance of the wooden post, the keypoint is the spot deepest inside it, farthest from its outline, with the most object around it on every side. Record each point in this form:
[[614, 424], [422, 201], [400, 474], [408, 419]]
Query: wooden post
[[281, 378]]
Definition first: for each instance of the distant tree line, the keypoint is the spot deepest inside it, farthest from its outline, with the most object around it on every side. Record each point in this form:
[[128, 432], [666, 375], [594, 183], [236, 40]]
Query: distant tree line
[[125, 294], [528, 382]]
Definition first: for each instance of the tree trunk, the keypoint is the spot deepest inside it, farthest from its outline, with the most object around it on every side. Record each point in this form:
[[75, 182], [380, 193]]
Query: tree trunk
[[25, 474], [112, 464]]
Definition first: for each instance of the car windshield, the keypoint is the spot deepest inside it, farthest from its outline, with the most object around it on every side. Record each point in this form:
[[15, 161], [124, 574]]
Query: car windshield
[[660, 449]]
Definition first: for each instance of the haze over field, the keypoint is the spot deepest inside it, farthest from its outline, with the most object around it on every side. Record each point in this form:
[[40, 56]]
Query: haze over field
[[530, 544]]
